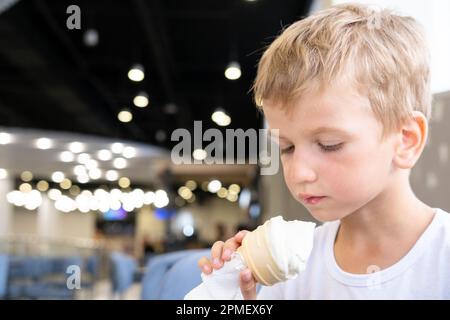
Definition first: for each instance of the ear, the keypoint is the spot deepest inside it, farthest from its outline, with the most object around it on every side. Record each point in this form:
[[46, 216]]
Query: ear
[[412, 139]]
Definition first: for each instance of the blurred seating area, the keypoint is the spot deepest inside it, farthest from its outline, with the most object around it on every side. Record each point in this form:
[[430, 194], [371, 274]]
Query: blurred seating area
[[33, 268], [71, 273], [170, 276]]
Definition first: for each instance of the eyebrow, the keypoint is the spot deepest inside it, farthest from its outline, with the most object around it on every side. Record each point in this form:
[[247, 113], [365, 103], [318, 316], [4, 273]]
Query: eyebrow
[[323, 129], [327, 129]]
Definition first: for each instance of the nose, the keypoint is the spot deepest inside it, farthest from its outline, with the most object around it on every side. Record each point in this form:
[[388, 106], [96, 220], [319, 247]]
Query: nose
[[300, 168]]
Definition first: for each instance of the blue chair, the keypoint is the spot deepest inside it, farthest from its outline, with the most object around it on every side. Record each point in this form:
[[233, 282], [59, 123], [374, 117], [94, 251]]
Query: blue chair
[[92, 272], [4, 266], [23, 272], [124, 268], [59, 265], [41, 277], [45, 290], [156, 269], [93, 265], [182, 277], [29, 267]]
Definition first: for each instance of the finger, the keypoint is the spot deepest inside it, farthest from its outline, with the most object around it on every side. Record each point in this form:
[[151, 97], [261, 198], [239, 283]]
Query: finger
[[216, 254], [238, 237], [229, 247], [248, 285], [205, 265]]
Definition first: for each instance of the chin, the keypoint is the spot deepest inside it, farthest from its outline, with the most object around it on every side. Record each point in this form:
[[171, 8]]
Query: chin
[[325, 215]]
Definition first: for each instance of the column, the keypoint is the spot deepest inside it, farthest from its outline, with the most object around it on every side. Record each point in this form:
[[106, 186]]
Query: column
[[48, 221], [6, 208]]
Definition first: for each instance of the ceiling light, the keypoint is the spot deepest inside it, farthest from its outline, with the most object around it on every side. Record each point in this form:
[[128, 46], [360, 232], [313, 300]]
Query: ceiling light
[[119, 163], [112, 175], [233, 71], [66, 156], [191, 199], [43, 143], [149, 197], [124, 182], [76, 147], [221, 118], [58, 176], [214, 186], [184, 192], [129, 152], [90, 38], [91, 164], [232, 197], [199, 154], [5, 138], [25, 187], [26, 176], [117, 148], [83, 178], [141, 100], [54, 194], [83, 158], [125, 116], [65, 184], [74, 190], [161, 199], [191, 184], [104, 155], [95, 173], [136, 73], [42, 185], [222, 193], [79, 170], [234, 188]]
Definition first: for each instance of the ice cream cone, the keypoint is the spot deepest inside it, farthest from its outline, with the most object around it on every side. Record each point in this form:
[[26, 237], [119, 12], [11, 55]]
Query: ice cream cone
[[256, 253]]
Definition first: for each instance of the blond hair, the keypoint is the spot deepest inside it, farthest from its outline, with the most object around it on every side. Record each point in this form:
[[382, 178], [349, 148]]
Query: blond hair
[[384, 55]]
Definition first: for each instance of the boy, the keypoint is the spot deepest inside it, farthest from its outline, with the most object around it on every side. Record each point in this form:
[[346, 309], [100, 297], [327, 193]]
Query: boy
[[348, 89]]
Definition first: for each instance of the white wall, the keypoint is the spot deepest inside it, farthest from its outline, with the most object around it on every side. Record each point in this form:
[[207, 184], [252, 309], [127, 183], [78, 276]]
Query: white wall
[[430, 176], [78, 225], [24, 221], [6, 209]]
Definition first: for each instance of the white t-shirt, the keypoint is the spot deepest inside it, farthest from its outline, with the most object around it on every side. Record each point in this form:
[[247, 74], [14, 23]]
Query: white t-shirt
[[423, 273]]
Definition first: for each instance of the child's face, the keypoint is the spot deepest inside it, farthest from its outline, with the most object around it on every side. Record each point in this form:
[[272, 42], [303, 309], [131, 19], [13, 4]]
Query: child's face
[[349, 168]]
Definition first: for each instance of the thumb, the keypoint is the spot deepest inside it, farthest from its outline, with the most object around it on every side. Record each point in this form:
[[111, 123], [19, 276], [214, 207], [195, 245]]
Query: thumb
[[248, 285]]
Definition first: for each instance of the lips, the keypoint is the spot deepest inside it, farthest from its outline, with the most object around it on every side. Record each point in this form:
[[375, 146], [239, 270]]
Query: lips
[[310, 199]]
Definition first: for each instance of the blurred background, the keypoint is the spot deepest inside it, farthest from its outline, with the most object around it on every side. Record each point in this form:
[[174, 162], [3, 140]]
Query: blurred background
[[91, 204]]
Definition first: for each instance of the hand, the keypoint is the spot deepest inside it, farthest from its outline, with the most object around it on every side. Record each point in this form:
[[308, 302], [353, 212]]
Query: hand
[[220, 253]]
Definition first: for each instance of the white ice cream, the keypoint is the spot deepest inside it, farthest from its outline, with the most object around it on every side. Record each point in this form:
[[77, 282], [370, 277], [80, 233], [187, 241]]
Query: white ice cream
[[290, 243]]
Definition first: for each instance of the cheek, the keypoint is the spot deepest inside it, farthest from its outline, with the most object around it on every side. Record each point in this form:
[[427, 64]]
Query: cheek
[[357, 175], [287, 177]]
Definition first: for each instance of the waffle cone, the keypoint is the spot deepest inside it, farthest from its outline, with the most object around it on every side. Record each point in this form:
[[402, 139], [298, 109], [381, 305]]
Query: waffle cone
[[255, 251]]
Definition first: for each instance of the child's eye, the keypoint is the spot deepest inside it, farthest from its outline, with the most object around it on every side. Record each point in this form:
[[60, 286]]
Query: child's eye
[[287, 150], [330, 148]]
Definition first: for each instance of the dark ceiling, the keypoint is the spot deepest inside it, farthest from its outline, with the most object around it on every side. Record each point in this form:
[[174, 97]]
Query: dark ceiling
[[50, 79]]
